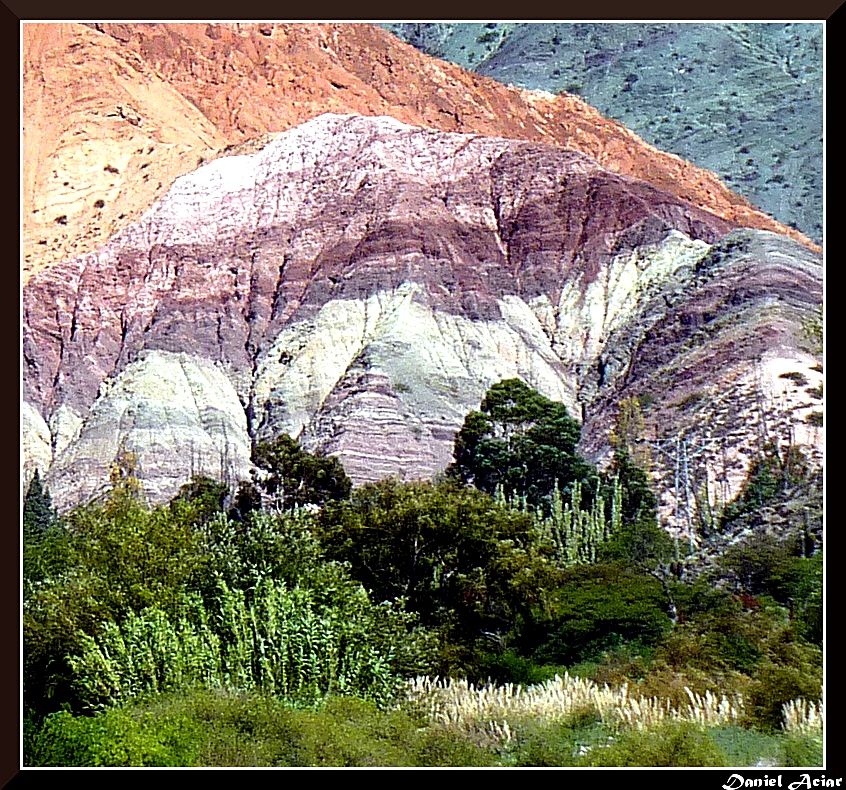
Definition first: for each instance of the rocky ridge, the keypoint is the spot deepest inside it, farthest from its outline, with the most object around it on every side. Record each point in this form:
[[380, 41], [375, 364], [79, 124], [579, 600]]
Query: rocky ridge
[[743, 100], [360, 283], [113, 113]]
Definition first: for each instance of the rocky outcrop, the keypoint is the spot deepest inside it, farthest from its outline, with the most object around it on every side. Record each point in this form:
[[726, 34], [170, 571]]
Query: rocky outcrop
[[113, 113], [360, 283], [723, 365]]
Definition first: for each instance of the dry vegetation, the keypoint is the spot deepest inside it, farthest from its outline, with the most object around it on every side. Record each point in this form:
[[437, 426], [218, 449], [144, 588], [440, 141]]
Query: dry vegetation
[[491, 713]]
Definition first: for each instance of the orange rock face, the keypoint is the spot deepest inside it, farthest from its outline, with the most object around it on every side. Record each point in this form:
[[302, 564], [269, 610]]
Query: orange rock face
[[97, 98], [104, 135]]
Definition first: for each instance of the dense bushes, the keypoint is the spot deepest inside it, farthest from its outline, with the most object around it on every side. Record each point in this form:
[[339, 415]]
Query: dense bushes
[[595, 607], [464, 563], [677, 744], [187, 627], [148, 600], [221, 729], [299, 644]]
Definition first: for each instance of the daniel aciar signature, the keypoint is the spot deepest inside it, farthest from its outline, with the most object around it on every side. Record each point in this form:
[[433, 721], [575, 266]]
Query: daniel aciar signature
[[736, 782]]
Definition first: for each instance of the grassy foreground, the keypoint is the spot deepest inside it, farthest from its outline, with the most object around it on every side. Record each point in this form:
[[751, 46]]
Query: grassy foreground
[[216, 728]]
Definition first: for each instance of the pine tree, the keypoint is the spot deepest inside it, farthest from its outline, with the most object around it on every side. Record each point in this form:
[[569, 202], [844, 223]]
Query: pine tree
[[38, 512]]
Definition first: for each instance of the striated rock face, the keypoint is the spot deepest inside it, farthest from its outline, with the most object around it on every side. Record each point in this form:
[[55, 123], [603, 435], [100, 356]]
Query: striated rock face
[[360, 283], [722, 362], [113, 113]]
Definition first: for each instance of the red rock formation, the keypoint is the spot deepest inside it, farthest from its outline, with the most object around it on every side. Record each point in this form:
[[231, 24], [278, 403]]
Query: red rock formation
[[248, 83], [151, 101]]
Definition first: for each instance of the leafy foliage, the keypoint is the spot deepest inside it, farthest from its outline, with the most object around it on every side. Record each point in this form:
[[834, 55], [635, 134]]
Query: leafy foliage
[[207, 627], [774, 685], [520, 441], [298, 643], [460, 560], [39, 515], [673, 744], [44, 547], [110, 559], [594, 607], [765, 564], [263, 545], [203, 497], [295, 477], [205, 728]]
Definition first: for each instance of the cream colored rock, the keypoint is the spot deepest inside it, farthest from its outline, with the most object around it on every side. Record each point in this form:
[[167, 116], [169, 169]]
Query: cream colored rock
[[179, 415], [588, 313], [36, 447]]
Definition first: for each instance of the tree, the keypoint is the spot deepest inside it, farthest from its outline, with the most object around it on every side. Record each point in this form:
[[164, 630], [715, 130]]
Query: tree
[[295, 477], [594, 607], [42, 546], [626, 436], [38, 513], [522, 442], [458, 558], [641, 542], [200, 499]]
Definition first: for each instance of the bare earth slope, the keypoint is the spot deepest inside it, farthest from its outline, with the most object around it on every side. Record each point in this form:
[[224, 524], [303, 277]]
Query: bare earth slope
[[104, 135], [157, 99], [360, 283]]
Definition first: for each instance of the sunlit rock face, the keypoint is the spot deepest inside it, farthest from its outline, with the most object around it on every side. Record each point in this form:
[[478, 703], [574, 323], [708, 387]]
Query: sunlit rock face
[[113, 113]]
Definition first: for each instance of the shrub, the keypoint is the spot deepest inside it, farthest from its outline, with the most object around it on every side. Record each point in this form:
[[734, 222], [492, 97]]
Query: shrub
[[116, 738], [463, 562], [263, 545], [596, 607], [773, 687], [557, 744], [677, 744], [293, 643], [291, 476], [764, 565], [744, 747], [802, 751], [222, 729]]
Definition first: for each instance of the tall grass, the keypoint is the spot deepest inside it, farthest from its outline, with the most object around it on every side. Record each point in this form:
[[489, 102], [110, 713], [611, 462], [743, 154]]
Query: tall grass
[[802, 717], [284, 643], [494, 713]]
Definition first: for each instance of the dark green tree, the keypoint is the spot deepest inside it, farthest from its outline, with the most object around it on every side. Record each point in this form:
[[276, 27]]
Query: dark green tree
[[594, 608], [640, 541], [809, 598], [200, 499], [765, 564], [42, 542], [521, 441], [295, 477], [247, 500], [38, 513], [457, 557], [639, 500]]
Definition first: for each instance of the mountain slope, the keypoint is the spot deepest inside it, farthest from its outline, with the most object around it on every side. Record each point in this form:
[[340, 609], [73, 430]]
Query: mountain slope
[[104, 135], [116, 91], [741, 99], [361, 283]]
